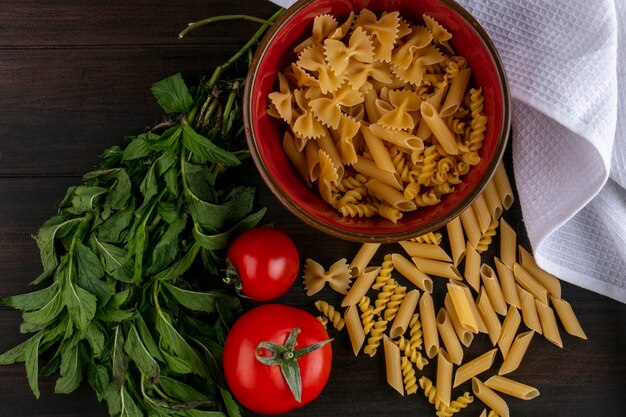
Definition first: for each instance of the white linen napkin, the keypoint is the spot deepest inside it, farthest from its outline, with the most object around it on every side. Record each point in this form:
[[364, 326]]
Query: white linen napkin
[[569, 130]]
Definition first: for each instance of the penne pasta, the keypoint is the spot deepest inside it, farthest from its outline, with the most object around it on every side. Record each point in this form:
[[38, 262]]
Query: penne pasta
[[370, 105], [462, 306], [443, 385], [368, 168], [378, 150], [474, 367], [494, 327], [508, 244], [568, 318], [481, 212], [509, 329], [490, 398], [326, 144], [425, 250], [408, 270], [493, 200], [387, 193], [512, 388], [355, 328], [457, 240], [456, 92], [363, 257], [529, 283], [503, 186], [492, 287], [449, 338], [405, 313], [516, 352], [423, 130], [507, 283], [529, 310], [399, 138], [296, 157], [393, 365], [547, 280], [472, 267], [429, 325], [312, 155], [360, 286], [437, 268], [465, 336], [470, 226], [548, 323], [439, 129]]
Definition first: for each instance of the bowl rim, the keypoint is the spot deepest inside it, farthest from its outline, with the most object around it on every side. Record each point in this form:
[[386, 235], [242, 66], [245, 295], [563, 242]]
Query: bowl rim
[[389, 237]]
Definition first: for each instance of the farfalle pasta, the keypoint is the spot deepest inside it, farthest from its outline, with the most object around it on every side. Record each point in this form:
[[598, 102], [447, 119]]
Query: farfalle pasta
[[387, 101]]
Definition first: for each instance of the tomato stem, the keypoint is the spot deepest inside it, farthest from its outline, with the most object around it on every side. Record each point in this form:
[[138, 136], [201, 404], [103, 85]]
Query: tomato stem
[[286, 356]]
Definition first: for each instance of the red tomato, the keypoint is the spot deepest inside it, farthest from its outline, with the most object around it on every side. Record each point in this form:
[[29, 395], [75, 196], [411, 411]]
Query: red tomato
[[266, 261], [263, 388]]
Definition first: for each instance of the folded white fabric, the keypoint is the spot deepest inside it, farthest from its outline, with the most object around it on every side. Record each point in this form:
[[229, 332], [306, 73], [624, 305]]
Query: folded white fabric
[[569, 130]]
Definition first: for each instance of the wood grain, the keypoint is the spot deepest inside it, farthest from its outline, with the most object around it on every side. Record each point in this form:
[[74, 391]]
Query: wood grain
[[76, 78]]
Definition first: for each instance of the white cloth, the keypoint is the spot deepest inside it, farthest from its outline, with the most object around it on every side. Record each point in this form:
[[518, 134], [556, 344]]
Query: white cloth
[[569, 130]]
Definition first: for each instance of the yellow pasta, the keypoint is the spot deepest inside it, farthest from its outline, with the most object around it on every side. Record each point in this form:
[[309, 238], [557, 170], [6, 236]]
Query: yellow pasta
[[457, 239], [393, 365], [470, 226], [437, 268], [408, 373], [472, 267], [384, 274], [315, 277], [493, 200], [408, 270], [326, 144], [411, 353], [529, 283], [507, 283], [423, 130], [395, 301], [355, 329], [490, 398], [369, 169], [384, 296], [449, 338], [360, 286], [424, 250], [378, 150], [548, 323], [398, 137], [529, 310], [328, 176], [503, 186], [312, 156], [367, 314], [455, 93], [430, 238], [462, 306], [490, 317], [296, 157], [487, 237], [513, 388], [363, 257], [323, 320], [390, 195], [439, 128], [403, 102], [547, 280], [329, 311], [508, 244], [429, 325], [516, 352], [509, 329], [404, 314], [568, 318], [465, 336], [462, 401], [493, 289], [415, 332], [444, 377], [474, 367], [376, 335], [481, 212]]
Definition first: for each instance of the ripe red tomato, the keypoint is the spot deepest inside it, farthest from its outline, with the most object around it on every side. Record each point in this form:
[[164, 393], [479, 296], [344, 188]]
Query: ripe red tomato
[[266, 262], [263, 388]]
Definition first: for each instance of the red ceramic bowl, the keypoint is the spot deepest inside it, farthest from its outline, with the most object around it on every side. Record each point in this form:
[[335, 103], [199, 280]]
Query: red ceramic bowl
[[264, 133]]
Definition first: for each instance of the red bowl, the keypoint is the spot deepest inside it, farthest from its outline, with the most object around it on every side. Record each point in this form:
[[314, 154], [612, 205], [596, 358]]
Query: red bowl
[[264, 133]]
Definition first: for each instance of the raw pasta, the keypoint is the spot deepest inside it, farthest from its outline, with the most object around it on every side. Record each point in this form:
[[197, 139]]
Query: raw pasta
[[490, 398], [509, 329], [412, 273], [494, 327], [449, 338], [548, 323], [329, 311], [393, 365], [472, 267], [548, 281], [405, 312], [508, 244], [363, 257], [384, 99], [507, 283], [503, 186], [516, 352], [529, 310], [529, 283], [315, 277], [457, 239], [465, 336], [429, 325], [474, 367], [568, 318], [424, 250], [512, 388], [355, 328], [363, 283], [492, 287], [437, 268], [444, 377]]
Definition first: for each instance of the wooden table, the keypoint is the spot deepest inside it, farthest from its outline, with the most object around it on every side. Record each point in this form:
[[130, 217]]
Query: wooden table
[[75, 78]]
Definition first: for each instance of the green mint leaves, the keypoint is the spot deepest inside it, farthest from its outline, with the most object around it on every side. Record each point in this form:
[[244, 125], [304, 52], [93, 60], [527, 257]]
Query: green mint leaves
[[172, 94]]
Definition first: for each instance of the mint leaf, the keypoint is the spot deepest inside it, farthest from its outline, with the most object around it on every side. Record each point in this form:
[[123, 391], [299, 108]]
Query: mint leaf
[[207, 150], [172, 94], [47, 314], [45, 241], [195, 300], [119, 360], [138, 148], [138, 353], [231, 406], [115, 261], [220, 240], [85, 198], [149, 186], [95, 338], [31, 361], [181, 266], [71, 371], [80, 303], [120, 192], [34, 300]]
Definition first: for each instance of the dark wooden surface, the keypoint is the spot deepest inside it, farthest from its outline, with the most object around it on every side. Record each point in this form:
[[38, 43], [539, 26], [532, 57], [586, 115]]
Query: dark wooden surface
[[75, 78]]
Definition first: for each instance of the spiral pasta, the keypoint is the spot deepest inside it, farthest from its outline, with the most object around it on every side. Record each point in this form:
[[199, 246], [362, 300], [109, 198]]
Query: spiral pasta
[[430, 163], [392, 307], [415, 332], [329, 311], [384, 296], [430, 238], [479, 120], [323, 320], [367, 314], [384, 275], [455, 406], [388, 212], [408, 372], [487, 237], [358, 210], [376, 335], [411, 353]]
